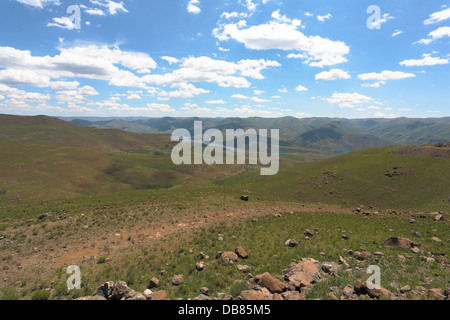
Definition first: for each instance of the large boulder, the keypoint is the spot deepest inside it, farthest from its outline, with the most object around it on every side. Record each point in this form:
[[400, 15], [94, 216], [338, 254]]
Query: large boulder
[[302, 274], [271, 283], [400, 243], [121, 291]]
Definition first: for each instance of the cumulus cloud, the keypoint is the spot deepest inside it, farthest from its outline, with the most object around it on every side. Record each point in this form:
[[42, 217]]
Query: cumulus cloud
[[348, 100], [111, 6], [282, 33], [435, 35], [333, 74], [325, 17], [206, 69], [39, 3], [427, 60], [301, 88], [438, 16], [385, 75], [193, 7], [90, 61]]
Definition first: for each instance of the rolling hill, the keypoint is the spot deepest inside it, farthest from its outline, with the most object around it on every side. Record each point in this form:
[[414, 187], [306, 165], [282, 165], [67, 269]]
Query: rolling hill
[[327, 135]]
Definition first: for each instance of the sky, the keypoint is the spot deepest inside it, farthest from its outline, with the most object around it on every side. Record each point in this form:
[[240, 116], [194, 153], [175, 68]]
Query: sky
[[231, 58]]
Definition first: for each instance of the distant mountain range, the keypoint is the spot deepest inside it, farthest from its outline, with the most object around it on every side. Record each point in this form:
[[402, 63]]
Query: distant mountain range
[[327, 135]]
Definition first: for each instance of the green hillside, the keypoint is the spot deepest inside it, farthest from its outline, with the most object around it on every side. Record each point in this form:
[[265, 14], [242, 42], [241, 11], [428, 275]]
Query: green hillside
[[408, 178]]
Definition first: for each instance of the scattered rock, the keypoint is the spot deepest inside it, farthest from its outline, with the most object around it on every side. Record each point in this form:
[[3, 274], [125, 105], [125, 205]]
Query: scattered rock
[[271, 283], [200, 266], [154, 283], [45, 215], [291, 243], [436, 239], [245, 198], [105, 290], [204, 291], [254, 220], [3, 191], [405, 289], [244, 268], [330, 268], [229, 257], [121, 291], [400, 243], [343, 262], [412, 221], [417, 234], [148, 294], [160, 295], [415, 250], [308, 233], [178, 280], [438, 217], [437, 293], [202, 256], [253, 295], [292, 296], [241, 253], [361, 256], [348, 291], [344, 237]]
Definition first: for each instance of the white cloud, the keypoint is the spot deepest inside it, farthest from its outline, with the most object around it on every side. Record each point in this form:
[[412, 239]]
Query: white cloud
[[282, 33], [325, 17], [170, 60], [397, 32], [112, 6], [301, 88], [258, 92], [239, 96], [283, 90], [374, 85], [205, 69], [91, 61], [438, 16], [380, 114], [134, 96], [385, 75], [435, 35], [63, 22], [215, 102], [193, 6], [231, 15], [39, 3], [348, 100], [426, 61], [333, 74]]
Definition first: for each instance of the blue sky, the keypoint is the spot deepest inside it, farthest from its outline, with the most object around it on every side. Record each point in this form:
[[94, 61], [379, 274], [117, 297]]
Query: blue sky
[[237, 58]]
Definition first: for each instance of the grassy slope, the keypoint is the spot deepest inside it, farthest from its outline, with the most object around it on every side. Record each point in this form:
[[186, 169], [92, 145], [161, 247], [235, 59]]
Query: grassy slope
[[358, 178]]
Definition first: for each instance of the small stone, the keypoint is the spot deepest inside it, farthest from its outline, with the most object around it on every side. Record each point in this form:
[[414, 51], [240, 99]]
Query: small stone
[[178, 280], [244, 268], [436, 239], [148, 294], [200, 266], [405, 289], [204, 291], [348, 291], [308, 233], [154, 283], [291, 243], [437, 293], [241, 253]]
